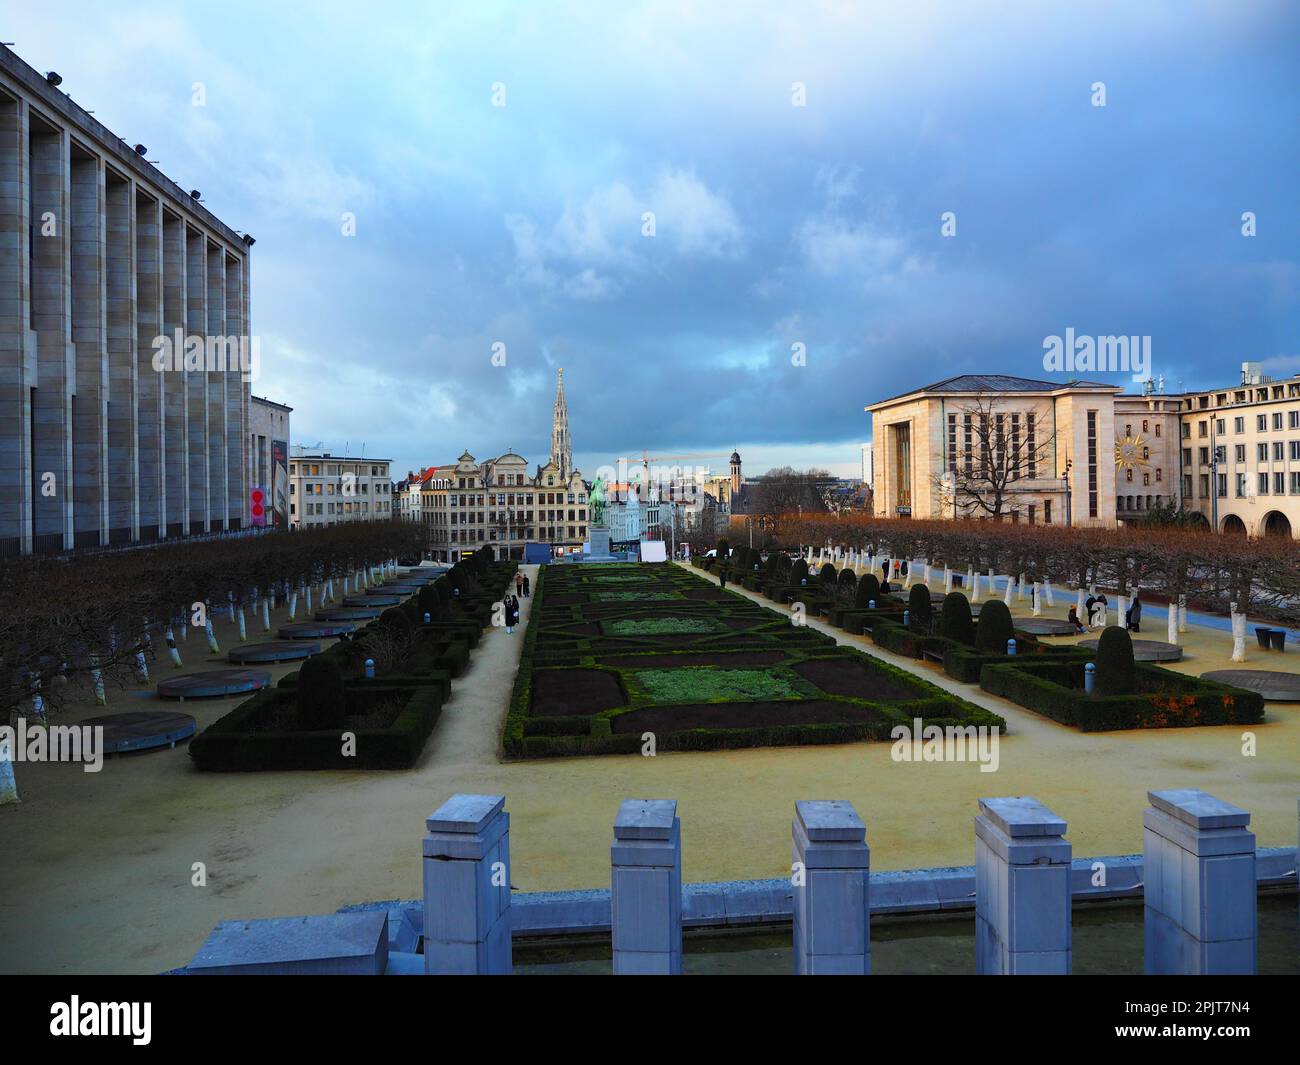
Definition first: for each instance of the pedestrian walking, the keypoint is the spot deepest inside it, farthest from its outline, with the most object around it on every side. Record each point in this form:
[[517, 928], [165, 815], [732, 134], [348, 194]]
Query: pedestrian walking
[[525, 585], [519, 583], [1135, 614]]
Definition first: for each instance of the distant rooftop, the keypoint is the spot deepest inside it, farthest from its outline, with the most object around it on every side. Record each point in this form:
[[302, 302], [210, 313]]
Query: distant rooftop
[[965, 383]]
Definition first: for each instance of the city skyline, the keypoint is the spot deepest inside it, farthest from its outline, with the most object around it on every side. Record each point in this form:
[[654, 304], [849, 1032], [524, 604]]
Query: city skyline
[[777, 222]]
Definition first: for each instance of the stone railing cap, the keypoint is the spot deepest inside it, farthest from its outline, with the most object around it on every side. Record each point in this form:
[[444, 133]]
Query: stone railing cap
[[465, 813], [1198, 808], [645, 819], [830, 820], [1022, 815]]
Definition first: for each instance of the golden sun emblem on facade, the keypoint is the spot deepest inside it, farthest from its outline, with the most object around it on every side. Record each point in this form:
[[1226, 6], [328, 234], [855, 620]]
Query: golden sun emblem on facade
[[1130, 452]]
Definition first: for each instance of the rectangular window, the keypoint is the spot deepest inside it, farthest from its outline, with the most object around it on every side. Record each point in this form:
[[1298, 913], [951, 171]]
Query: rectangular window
[[952, 442], [1092, 463], [1278, 451], [967, 433], [1238, 425], [1261, 452], [1295, 450], [1261, 422], [1241, 486], [1239, 452], [1277, 421], [1017, 462], [1203, 456], [1047, 509], [1032, 446], [1293, 419], [1279, 484], [1295, 484], [1263, 484]]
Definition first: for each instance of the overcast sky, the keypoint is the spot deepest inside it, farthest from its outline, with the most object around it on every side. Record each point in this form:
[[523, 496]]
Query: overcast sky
[[775, 225]]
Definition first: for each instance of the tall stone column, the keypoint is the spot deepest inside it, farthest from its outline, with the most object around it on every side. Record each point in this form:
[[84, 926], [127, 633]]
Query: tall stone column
[[176, 468], [51, 318], [123, 372], [1199, 893], [89, 336], [17, 343], [196, 382], [832, 863], [1022, 889], [237, 389], [218, 485], [467, 887], [150, 382], [646, 896]]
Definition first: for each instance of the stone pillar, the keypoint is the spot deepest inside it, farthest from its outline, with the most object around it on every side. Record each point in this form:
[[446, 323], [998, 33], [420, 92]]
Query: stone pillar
[[832, 927], [1199, 894], [89, 337], [218, 453], [467, 887], [646, 883], [196, 383], [150, 382], [123, 371], [1022, 889]]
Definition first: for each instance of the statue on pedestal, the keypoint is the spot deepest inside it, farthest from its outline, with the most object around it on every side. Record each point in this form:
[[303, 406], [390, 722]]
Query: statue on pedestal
[[596, 501]]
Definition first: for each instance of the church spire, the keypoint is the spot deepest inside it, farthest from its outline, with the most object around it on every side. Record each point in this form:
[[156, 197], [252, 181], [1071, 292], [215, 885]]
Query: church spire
[[561, 446]]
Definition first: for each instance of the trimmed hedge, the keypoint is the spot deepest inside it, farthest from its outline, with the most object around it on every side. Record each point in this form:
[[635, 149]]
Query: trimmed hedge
[[231, 745], [1164, 699]]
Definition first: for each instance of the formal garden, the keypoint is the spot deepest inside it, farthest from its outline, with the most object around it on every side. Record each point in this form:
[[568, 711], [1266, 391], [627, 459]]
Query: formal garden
[[616, 652], [1090, 690], [370, 701]]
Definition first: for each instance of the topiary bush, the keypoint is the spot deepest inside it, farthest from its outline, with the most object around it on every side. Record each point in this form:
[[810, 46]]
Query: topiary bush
[[322, 702], [826, 575], [798, 573], [1116, 674], [847, 584], [723, 548], [868, 589], [920, 611], [397, 620], [995, 627], [955, 620]]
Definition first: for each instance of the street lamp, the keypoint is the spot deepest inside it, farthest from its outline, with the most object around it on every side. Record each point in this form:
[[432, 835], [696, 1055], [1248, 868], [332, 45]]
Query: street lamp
[[1065, 482]]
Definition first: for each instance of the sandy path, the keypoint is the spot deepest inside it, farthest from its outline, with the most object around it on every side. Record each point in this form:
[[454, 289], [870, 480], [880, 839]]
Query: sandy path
[[97, 868]]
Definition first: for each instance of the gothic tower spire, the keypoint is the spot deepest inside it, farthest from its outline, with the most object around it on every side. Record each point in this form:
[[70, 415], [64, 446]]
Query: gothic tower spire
[[561, 445]]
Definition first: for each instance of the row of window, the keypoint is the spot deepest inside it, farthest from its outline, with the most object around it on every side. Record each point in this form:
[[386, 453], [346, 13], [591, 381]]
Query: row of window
[[333, 469], [1275, 451], [1263, 423], [346, 487], [546, 533], [1278, 484], [343, 508]]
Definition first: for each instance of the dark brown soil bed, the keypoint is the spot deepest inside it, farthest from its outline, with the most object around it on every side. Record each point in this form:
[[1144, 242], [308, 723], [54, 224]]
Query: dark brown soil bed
[[743, 623], [722, 658], [844, 676], [707, 594], [741, 715], [566, 692]]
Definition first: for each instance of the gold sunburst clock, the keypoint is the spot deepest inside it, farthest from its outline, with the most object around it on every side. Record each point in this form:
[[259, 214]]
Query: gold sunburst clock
[[1128, 453]]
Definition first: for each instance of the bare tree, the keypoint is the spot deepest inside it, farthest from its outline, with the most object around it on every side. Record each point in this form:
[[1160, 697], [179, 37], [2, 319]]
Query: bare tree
[[785, 491], [993, 453]]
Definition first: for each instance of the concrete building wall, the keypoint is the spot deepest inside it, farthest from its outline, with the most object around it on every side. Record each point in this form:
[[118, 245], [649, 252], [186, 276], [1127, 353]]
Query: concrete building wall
[[327, 489], [96, 445]]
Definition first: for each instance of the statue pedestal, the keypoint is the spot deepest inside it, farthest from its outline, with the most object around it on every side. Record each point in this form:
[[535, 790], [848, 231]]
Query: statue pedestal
[[599, 537]]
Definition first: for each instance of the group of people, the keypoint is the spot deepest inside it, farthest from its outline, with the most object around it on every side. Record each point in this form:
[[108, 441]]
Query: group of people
[[1095, 608], [511, 602]]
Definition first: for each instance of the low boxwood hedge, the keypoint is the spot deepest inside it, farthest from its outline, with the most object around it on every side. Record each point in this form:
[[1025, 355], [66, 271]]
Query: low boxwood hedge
[[232, 744], [1165, 699]]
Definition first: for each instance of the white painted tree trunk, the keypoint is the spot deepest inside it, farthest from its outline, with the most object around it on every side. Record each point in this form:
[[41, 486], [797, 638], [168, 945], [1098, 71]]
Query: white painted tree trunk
[[1182, 613], [1238, 635], [1011, 581], [266, 613], [947, 580], [213, 646], [141, 667], [1038, 605], [1122, 610], [231, 607], [1047, 593], [1172, 629], [293, 605], [306, 594], [97, 679], [243, 629], [975, 588], [172, 649], [1020, 588], [1079, 611]]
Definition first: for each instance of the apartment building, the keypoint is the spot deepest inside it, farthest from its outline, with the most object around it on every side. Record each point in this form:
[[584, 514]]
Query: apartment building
[[327, 489]]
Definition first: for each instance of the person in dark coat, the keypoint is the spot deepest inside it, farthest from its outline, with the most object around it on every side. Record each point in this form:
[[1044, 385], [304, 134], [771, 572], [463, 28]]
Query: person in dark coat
[[1088, 604], [722, 581], [1135, 614], [526, 593], [1073, 619]]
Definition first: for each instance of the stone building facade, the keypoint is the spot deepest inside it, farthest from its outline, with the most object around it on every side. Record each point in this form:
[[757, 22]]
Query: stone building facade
[[107, 437], [327, 489]]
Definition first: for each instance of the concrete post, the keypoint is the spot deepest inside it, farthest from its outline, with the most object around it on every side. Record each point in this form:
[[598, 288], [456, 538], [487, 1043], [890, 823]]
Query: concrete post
[[646, 888], [832, 928], [1022, 889], [467, 887], [1199, 894]]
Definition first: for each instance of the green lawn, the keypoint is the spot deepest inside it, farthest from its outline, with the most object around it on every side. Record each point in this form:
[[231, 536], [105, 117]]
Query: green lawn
[[662, 626], [692, 684]]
